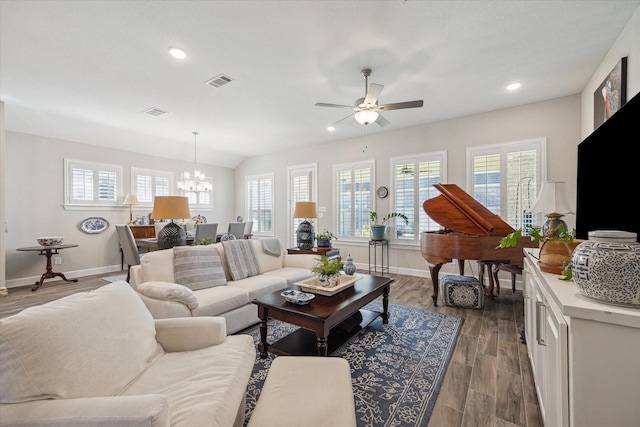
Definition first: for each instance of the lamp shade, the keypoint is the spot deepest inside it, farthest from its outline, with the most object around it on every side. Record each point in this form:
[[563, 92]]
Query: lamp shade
[[305, 210], [552, 199], [131, 199], [170, 207]]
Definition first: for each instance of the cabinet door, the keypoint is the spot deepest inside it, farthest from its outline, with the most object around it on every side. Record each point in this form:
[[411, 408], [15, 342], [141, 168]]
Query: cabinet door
[[556, 368], [528, 292]]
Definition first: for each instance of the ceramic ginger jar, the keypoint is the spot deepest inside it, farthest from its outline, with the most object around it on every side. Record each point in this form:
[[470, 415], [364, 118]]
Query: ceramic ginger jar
[[606, 268], [349, 268]]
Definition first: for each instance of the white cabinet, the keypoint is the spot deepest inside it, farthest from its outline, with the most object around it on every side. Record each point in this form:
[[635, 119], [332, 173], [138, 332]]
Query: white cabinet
[[546, 334], [584, 355]]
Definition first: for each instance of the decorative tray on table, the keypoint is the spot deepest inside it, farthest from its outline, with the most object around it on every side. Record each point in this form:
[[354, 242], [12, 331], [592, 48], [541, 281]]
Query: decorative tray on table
[[313, 285]]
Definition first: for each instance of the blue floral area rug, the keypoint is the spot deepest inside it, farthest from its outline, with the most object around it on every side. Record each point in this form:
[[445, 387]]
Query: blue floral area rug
[[396, 369]]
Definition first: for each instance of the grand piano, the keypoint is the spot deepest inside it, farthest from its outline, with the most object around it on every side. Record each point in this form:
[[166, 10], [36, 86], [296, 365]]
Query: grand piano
[[471, 232]]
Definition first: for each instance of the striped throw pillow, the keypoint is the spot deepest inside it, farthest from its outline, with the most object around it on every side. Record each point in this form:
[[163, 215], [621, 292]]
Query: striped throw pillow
[[198, 267], [242, 259]]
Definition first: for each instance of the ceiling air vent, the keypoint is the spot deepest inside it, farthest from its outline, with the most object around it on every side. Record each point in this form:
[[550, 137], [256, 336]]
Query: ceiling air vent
[[219, 80], [155, 112]]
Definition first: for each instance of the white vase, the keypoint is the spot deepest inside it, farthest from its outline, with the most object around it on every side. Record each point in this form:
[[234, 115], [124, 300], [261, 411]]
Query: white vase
[[606, 268]]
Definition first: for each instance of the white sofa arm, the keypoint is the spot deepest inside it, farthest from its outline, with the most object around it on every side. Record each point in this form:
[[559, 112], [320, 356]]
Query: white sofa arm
[[150, 410], [190, 333], [167, 291]]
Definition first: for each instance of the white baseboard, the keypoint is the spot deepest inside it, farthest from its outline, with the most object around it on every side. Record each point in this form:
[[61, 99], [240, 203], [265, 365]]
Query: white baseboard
[[30, 281]]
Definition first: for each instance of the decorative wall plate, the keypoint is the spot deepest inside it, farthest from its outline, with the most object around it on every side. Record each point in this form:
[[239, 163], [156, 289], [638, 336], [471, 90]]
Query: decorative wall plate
[[94, 225]]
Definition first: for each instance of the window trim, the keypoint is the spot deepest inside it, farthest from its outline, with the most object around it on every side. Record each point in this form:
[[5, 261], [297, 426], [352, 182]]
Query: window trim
[[69, 204], [351, 166], [135, 171], [429, 156], [256, 226], [312, 169], [539, 143]]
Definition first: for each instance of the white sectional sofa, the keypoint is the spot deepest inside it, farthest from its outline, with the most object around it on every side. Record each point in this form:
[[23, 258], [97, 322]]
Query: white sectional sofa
[[233, 274], [100, 359]]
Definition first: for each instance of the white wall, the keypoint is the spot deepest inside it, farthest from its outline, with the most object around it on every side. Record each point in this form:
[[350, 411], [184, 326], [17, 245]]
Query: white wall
[[627, 44], [34, 205], [558, 120]]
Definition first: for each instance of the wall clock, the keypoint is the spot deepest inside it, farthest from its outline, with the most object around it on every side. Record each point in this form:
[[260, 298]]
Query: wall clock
[[382, 192]]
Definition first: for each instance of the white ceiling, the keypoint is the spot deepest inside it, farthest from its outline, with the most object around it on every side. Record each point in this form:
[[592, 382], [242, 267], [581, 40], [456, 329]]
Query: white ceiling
[[86, 71]]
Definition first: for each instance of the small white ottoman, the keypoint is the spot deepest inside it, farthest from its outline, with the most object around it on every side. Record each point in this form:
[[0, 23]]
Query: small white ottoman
[[462, 291], [306, 391]]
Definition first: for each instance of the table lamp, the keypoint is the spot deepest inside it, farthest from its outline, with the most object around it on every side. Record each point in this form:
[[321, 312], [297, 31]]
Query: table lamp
[[171, 207], [304, 234], [130, 200], [553, 202]]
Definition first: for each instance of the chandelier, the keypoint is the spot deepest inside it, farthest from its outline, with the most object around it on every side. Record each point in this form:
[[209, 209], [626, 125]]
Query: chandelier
[[194, 182]]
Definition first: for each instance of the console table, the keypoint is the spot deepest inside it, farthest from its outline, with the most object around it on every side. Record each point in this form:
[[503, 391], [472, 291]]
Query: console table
[[48, 251], [330, 253]]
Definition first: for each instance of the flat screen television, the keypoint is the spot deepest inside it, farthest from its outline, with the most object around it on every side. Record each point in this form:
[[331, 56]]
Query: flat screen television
[[608, 187]]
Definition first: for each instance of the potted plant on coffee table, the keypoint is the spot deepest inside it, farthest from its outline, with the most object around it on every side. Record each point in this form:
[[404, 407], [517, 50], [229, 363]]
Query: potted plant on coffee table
[[328, 271], [378, 226]]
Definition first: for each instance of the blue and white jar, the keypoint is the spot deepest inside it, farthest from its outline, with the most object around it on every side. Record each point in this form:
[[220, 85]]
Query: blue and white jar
[[606, 268], [349, 267]]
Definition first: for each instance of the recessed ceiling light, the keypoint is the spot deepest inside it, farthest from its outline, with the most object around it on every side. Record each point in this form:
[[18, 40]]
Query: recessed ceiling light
[[514, 86], [331, 128], [177, 52]]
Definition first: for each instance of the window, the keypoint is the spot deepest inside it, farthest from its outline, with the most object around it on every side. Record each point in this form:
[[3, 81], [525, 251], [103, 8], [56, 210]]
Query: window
[[260, 203], [413, 179], [302, 188], [354, 198], [92, 184], [146, 184], [505, 178]]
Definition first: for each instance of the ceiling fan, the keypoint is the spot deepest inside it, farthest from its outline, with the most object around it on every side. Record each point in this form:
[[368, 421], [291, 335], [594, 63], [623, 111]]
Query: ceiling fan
[[366, 110]]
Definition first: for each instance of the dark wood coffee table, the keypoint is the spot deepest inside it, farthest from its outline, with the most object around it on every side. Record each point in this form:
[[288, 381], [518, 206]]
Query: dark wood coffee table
[[316, 319]]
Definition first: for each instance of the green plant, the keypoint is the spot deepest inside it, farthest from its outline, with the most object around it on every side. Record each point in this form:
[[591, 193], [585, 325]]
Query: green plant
[[326, 235], [373, 216], [535, 232], [567, 272], [205, 241], [327, 267]]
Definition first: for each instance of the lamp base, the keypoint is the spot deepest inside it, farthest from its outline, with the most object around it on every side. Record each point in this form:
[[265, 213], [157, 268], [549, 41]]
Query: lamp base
[[554, 226], [171, 235], [305, 235]]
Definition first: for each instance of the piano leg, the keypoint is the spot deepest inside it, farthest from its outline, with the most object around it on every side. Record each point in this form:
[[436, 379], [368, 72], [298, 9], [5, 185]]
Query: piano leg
[[435, 271]]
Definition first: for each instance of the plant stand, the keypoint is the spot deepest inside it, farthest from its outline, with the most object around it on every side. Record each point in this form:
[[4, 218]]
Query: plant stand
[[383, 244]]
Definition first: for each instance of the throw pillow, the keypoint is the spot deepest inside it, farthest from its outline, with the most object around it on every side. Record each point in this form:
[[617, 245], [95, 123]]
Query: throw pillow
[[242, 259], [198, 267], [169, 292]]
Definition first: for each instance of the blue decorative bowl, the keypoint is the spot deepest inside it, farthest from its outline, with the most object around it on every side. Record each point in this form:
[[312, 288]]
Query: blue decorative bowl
[[297, 297]]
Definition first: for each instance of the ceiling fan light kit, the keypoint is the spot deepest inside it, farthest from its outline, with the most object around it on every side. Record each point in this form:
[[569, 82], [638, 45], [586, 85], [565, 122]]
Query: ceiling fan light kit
[[367, 108]]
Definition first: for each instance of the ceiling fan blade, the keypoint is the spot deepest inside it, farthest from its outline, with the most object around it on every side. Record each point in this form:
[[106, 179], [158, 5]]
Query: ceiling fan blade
[[334, 124], [322, 104], [401, 105], [373, 94], [381, 121]]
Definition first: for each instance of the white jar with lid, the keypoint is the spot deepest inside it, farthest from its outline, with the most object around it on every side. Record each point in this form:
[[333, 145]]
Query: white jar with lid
[[606, 268]]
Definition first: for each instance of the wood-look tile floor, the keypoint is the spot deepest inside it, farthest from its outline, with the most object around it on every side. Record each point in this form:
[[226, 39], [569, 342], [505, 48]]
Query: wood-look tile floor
[[488, 381]]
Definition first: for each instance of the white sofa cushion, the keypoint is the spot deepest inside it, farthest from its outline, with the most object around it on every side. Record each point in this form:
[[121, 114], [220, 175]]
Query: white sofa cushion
[[219, 300], [291, 274], [259, 285], [169, 292], [198, 267], [203, 387], [53, 350], [241, 259]]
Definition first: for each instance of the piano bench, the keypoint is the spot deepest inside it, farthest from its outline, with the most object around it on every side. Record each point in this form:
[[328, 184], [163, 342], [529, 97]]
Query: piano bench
[[462, 291]]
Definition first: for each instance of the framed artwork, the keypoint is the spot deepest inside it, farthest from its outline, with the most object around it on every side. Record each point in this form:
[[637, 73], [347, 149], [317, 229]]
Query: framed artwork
[[611, 94]]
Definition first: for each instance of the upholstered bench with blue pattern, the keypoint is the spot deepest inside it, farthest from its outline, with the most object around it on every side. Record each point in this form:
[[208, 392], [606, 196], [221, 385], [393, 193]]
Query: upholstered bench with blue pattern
[[462, 291]]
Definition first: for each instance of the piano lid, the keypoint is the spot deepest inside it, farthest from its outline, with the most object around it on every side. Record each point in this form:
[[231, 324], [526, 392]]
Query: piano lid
[[456, 210]]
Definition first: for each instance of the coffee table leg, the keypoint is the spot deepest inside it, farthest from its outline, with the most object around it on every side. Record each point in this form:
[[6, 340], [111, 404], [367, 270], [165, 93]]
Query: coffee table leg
[[263, 337], [385, 305], [322, 346]]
